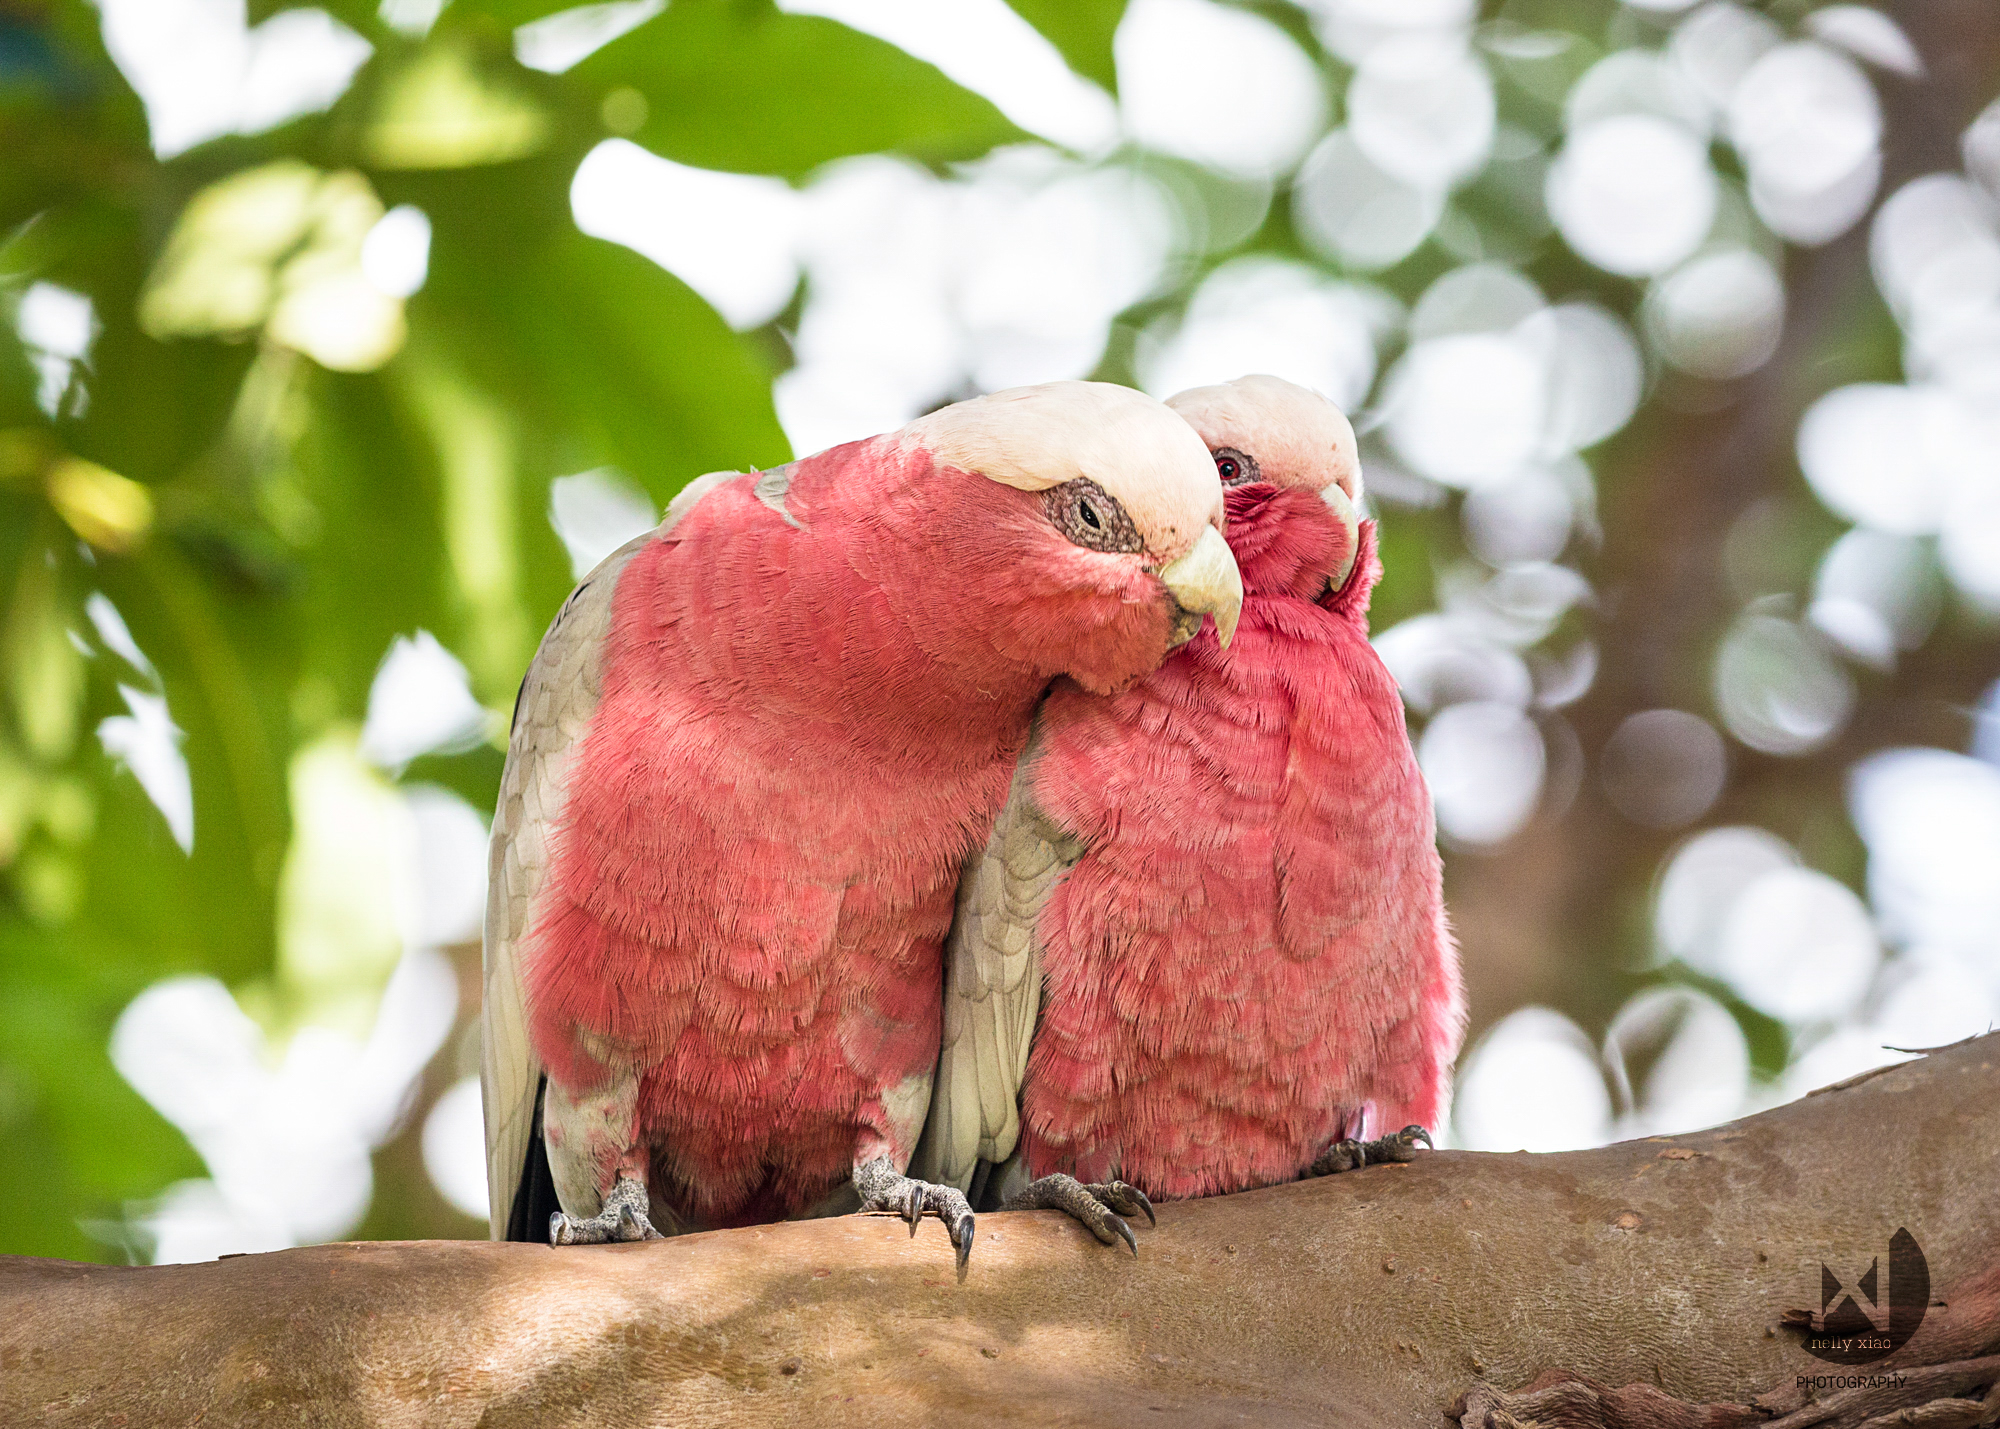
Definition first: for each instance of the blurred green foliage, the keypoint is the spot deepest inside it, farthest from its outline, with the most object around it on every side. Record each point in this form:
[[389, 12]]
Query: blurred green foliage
[[290, 520]]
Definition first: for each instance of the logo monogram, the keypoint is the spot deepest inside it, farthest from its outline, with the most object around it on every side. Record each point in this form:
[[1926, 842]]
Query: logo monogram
[[1858, 1324]]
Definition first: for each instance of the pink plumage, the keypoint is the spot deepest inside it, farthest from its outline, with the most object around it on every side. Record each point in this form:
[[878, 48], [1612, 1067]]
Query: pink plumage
[[812, 687], [1248, 960], [1252, 956]]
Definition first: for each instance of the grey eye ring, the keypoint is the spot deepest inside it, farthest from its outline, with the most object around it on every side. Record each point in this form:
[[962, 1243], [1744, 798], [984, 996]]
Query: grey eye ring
[[1091, 517]]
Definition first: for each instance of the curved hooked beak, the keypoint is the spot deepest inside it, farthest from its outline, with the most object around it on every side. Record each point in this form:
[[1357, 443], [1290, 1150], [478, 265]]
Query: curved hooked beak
[[1350, 517], [1206, 582]]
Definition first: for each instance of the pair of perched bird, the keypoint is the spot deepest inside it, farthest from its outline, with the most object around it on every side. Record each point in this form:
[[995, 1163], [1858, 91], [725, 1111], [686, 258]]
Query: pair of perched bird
[[886, 831]]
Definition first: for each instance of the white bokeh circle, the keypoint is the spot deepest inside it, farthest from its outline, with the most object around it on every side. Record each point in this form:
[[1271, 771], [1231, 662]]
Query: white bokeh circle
[[1632, 193]]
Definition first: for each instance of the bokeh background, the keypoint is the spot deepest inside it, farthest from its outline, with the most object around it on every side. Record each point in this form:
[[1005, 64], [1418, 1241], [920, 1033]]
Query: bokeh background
[[338, 340]]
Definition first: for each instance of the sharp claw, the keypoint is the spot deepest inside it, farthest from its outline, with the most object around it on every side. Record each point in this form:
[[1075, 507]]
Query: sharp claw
[[1146, 1206], [1417, 1133], [963, 1240], [556, 1228], [916, 1212], [1125, 1233]]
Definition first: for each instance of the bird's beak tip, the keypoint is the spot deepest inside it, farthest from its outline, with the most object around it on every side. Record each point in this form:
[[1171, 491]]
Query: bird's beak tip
[[1206, 580], [1225, 626]]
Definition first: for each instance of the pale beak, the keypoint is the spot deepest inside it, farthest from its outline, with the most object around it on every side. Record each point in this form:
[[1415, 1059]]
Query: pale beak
[[1206, 582], [1350, 517]]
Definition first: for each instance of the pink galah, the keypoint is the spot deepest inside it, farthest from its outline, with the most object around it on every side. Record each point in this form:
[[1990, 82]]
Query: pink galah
[[753, 753], [1205, 948]]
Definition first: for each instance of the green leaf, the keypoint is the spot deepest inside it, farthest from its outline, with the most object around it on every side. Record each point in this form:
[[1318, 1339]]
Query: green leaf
[[740, 86], [68, 121], [228, 659], [93, 1142], [604, 357], [365, 483], [1081, 29], [451, 105], [474, 775], [155, 407], [63, 1108], [17, 396], [651, 379], [589, 355]]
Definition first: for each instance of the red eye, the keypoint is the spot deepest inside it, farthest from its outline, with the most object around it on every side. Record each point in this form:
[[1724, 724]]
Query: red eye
[[1235, 467]]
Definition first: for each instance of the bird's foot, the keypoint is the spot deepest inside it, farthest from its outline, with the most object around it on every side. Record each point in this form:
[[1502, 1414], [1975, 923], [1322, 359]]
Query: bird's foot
[[883, 1188], [1352, 1155], [1101, 1206], [623, 1218]]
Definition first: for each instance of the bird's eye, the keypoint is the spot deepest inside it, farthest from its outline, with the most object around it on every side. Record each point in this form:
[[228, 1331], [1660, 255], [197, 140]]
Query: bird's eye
[[1091, 517], [1235, 467]]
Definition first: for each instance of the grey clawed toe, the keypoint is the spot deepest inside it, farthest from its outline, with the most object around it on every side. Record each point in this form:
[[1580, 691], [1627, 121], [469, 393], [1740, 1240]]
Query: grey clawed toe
[[1352, 1155], [624, 1217], [882, 1188], [1101, 1207], [1400, 1147]]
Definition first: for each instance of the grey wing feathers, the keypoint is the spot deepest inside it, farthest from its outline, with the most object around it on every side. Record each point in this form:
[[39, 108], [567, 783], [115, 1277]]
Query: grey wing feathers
[[558, 697], [992, 992]]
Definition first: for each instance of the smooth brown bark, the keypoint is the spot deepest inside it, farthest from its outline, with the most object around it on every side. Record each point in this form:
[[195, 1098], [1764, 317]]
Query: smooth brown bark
[[1378, 1297]]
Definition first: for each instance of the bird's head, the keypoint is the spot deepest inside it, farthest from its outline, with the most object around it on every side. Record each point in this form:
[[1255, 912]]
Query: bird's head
[[1097, 525], [1289, 466]]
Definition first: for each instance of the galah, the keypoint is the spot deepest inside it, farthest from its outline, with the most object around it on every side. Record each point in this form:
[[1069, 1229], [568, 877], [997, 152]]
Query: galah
[[748, 762], [1205, 947]]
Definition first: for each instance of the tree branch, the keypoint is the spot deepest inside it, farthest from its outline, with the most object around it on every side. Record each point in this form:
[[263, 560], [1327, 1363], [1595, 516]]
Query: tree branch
[[1394, 1295]]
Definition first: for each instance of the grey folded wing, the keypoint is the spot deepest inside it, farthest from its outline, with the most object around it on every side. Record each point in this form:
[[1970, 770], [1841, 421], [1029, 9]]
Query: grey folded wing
[[992, 991]]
